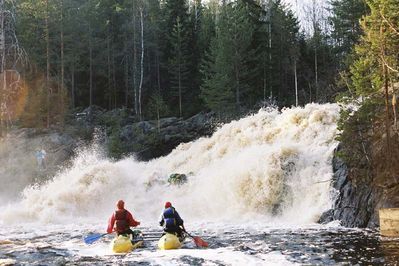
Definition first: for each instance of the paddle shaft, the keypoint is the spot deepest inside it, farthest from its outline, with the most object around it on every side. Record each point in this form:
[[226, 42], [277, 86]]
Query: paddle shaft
[[187, 233]]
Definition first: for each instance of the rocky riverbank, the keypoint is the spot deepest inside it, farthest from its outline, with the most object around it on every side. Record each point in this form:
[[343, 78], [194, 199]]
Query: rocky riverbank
[[124, 134]]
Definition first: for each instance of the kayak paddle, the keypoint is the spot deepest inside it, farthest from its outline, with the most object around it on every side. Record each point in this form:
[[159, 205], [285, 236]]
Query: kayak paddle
[[199, 242], [90, 239]]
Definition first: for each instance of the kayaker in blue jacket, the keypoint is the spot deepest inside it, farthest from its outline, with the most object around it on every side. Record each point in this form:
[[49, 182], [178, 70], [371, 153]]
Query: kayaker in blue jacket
[[171, 221]]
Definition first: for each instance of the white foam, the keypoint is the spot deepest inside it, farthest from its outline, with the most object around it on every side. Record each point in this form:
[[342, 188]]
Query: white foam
[[270, 166]]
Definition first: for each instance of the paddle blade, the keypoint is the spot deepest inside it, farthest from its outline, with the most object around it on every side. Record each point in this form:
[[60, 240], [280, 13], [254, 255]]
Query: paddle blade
[[90, 239], [199, 242]]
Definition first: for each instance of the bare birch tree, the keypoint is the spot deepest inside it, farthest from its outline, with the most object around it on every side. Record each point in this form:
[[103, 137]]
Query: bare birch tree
[[141, 60], [11, 55], [313, 13], [47, 34], [62, 57]]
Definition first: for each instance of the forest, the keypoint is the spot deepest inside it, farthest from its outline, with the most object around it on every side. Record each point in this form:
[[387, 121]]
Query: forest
[[158, 58]]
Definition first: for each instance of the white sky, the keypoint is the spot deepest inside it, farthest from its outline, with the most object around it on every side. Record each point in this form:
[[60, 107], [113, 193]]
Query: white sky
[[300, 5]]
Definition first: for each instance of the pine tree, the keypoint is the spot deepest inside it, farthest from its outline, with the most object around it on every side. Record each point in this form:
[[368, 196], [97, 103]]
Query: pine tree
[[377, 67]]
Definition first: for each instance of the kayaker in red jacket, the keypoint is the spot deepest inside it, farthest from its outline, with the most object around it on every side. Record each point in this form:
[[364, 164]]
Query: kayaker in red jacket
[[122, 219]]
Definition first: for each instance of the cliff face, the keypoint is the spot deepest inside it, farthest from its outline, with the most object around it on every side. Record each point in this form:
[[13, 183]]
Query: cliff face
[[355, 204]]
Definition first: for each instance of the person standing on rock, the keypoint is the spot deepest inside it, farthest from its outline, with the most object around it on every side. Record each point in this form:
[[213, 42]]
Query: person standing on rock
[[121, 220], [41, 159]]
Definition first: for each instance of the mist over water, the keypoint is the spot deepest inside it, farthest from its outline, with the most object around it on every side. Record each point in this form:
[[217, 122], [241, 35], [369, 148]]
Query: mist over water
[[270, 166], [14, 167]]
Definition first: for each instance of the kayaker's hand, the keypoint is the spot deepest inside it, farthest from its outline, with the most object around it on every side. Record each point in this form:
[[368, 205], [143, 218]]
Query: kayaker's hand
[[138, 223]]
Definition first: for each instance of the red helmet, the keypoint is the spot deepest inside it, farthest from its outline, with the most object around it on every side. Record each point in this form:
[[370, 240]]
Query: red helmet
[[168, 204], [120, 204]]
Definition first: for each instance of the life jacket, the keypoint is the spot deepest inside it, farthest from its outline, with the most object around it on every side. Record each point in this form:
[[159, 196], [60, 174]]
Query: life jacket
[[121, 222], [169, 216]]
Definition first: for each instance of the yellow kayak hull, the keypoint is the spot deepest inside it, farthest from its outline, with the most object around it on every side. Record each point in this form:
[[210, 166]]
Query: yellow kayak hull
[[169, 241], [122, 244]]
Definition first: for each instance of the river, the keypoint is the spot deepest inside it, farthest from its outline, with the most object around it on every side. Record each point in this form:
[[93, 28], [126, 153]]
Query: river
[[255, 191]]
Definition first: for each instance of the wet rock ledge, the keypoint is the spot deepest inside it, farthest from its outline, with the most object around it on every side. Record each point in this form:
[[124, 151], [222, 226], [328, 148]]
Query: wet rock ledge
[[357, 203]]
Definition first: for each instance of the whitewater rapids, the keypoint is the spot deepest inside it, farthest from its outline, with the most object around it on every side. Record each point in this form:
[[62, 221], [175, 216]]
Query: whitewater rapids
[[255, 191], [270, 165]]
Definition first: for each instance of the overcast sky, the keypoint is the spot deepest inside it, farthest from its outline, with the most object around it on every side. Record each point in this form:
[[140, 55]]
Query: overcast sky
[[299, 5]]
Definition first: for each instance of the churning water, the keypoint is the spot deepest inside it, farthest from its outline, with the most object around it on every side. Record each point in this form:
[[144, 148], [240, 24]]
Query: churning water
[[255, 191]]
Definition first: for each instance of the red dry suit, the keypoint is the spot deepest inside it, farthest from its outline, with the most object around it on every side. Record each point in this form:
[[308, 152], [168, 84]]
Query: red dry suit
[[122, 219]]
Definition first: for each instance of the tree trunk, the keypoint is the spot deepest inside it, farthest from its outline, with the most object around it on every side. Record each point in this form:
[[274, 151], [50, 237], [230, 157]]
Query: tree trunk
[[264, 78], [270, 58], [62, 59], [90, 67], [179, 62], [2, 67], [394, 110], [109, 90], [136, 110], [386, 91], [142, 60], [126, 75], [296, 83], [237, 77], [73, 83], [316, 73], [158, 119], [179, 77], [114, 91], [387, 114], [46, 23], [158, 73]]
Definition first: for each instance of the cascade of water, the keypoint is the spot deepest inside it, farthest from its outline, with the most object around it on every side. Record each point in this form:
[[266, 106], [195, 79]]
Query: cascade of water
[[269, 165]]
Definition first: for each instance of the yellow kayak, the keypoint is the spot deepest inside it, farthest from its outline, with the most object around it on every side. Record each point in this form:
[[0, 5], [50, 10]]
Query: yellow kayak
[[122, 244], [169, 241]]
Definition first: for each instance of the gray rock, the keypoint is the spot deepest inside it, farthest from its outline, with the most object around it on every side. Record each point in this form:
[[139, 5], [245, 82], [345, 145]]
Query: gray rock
[[357, 204], [148, 141]]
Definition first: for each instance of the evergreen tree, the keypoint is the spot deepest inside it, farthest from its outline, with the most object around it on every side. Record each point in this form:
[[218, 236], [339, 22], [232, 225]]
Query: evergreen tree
[[179, 33], [379, 47], [179, 63], [377, 66], [345, 20], [279, 53], [227, 70]]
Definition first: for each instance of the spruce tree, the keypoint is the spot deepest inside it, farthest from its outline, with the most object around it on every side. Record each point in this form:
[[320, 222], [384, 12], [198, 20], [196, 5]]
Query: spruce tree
[[226, 68], [179, 64], [345, 20]]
